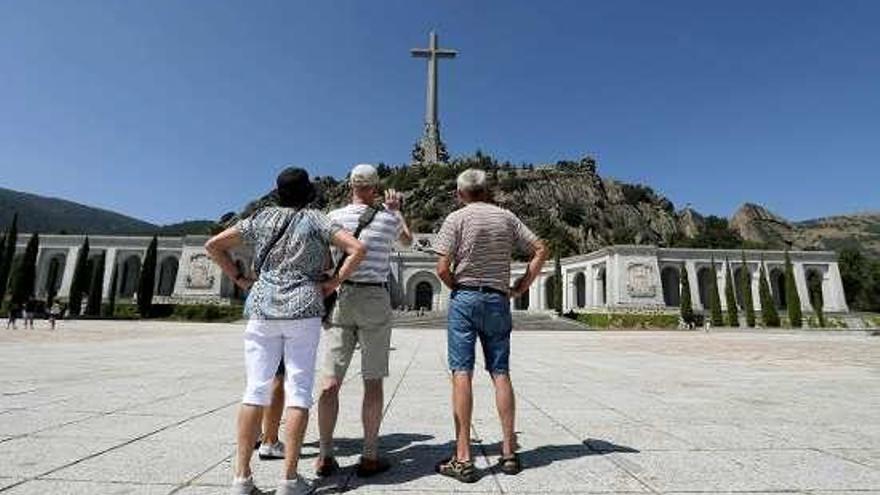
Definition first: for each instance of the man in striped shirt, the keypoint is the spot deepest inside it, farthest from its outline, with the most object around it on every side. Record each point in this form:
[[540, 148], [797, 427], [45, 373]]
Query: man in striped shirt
[[475, 245], [363, 315]]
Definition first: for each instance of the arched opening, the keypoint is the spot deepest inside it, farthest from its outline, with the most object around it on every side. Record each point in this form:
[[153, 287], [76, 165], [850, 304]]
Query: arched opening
[[580, 290], [704, 283], [237, 293], [551, 289], [741, 283], [129, 275], [53, 277], [777, 287], [424, 296], [671, 281], [167, 276], [601, 294], [522, 302], [814, 289]]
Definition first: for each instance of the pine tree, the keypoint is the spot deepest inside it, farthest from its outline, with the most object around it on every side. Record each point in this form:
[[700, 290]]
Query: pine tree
[[748, 301], [80, 279], [687, 308], [111, 298], [714, 299], [24, 278], [96, 287], [730, 296], [147, 281], [8, 255], [768, 308], [792, 299]]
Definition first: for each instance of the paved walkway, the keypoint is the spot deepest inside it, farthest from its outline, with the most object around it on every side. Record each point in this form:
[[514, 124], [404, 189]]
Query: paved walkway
[[148, 408]]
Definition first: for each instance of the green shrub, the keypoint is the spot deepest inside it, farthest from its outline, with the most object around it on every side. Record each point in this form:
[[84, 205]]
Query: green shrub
[[628, 320]]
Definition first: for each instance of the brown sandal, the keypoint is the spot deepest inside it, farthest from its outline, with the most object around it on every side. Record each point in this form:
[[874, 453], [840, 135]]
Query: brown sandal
[[326, 466], [463, 471]]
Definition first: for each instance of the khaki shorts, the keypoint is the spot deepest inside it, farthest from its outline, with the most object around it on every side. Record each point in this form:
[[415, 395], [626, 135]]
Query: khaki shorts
[[362, 315]]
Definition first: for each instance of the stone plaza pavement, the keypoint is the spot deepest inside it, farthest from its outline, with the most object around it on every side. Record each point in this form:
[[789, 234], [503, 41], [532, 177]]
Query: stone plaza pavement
[[148, 408]]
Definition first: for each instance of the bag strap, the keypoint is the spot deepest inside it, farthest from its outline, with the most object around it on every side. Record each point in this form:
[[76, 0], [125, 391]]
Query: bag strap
[[261, 260], [363, 221]]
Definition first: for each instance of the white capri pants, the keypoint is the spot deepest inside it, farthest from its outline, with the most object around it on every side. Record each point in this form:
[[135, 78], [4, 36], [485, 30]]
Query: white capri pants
[[265, 342]]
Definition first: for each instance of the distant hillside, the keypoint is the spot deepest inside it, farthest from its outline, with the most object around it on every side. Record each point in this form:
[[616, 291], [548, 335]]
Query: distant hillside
[[58, 216]]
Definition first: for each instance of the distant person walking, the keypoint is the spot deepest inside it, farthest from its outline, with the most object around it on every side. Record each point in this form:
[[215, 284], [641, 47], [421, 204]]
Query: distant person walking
[[363, 316], [475, 245], [284, 307], [54, 314], [12, 316]]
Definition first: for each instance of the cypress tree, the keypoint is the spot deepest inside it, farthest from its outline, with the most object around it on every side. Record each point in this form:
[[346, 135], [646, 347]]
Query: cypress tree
[[80, 279], [768, 308], [817, 302], [730, 296], [687, 308], [792, 299], [111, 298], [146, 284], [8, 255], [714, 299], [24, 279], [96, 287], [748, 301], [557, 286]]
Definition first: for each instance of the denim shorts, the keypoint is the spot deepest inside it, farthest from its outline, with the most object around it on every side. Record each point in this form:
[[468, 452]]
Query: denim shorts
[[475, 314]]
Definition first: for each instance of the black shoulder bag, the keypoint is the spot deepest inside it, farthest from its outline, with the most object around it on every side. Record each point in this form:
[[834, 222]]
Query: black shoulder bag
[[330, 300]]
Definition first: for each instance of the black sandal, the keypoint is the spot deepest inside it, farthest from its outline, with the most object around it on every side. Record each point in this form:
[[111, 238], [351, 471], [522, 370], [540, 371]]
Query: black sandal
[[463, 471], [510, 465]]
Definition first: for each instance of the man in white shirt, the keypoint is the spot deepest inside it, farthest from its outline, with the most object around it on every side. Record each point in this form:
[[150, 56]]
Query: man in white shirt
[[363, 315]]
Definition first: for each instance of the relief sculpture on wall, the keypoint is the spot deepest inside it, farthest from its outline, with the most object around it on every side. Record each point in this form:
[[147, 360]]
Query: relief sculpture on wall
[[640, 280], [198, 275]]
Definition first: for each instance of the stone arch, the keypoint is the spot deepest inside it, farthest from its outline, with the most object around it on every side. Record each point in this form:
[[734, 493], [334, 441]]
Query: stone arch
[[129, 274], [704, 285], [551, 290], [739, 286], [54, 275], [815, 281], [580, 290], [167, 276], [601, 292], [777, 287], [417, 290], [670, 279]]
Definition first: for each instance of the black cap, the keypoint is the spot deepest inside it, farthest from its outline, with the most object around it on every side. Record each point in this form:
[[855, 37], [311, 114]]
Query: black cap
[[294, 187]]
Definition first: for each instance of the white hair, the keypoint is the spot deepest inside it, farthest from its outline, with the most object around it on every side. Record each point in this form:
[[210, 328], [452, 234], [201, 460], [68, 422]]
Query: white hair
[[472, 181]]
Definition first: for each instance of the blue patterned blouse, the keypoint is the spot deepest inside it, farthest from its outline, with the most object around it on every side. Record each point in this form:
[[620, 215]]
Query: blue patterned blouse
[[288, 284]]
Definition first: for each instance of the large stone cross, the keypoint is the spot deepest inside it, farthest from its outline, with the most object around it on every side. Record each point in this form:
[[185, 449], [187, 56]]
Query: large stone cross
[[432, 149]]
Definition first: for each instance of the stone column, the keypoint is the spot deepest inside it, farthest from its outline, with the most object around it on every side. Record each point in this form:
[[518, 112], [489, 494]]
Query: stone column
[[800, 281], [835, 300], [755, 277], [695, 286], [67, 276], [109, 263]]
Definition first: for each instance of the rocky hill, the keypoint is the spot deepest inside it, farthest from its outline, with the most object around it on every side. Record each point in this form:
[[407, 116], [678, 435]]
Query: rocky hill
[[579, 211], [757, 224]]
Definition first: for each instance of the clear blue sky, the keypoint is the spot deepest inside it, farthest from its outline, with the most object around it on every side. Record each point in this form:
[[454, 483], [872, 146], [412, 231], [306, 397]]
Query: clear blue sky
[[169, 110]]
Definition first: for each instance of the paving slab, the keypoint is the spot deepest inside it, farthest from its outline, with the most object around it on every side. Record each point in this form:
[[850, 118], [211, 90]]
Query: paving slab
[[149, 408]]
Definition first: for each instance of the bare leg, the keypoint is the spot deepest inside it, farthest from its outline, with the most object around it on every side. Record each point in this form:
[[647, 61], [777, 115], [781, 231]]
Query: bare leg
[[248, 425], [328, 411], [297, 420], [462, 406], [272, 414], [505, 402], [371, 416]]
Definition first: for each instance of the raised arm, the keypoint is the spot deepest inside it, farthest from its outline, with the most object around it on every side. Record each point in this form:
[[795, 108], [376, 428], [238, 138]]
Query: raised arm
[[393, 202], [355, 252], [218, 248], [539, 256]]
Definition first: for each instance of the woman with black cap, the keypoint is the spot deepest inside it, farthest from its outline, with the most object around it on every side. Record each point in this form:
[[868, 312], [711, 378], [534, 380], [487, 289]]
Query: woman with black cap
[[284, 310]]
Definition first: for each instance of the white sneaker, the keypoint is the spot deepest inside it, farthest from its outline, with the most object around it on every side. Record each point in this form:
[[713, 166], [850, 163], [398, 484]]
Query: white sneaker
[[299, 486], [271, 451], [244, 486]]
